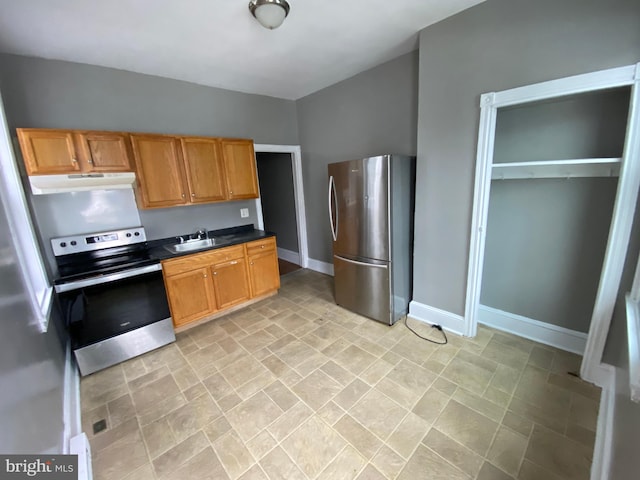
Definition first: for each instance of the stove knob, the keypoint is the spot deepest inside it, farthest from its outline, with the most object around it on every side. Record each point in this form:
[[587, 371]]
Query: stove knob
[[73, 243], [128, 235], [137, 234], [63, 244]]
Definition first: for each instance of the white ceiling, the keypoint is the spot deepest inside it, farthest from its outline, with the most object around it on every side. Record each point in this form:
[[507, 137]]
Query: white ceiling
[[218, 43]]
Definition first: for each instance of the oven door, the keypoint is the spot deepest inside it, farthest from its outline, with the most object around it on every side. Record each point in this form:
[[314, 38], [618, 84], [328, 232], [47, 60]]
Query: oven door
[[116, 317]]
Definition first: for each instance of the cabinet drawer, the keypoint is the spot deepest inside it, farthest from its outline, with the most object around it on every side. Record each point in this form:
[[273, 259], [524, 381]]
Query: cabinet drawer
[[263, 245], [198, 260]]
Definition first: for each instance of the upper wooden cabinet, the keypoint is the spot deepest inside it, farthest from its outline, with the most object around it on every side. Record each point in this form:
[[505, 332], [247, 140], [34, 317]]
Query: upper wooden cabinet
[[47, 151], [160, 171], [105, 151], [205, 170], [240, 167], [185, 170]]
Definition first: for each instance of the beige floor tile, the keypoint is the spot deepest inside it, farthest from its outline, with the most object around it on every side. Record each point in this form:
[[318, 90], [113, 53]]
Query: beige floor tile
[[233, 454], [454, 452], [296, 371], [289, 421], [507, 450], [471, 429], [175, 457], [120, 458], [408, 435], [203, 466], [378, 413], [261, 444], [561, 455], [253, 415], [159, 437], [278, 466], [471, 377], [190, 418], [345, 466], [313, 446], [316, 389], [489, 472], [430, 405], [388, 462], [217, 428], [362, 439], [425, 460]]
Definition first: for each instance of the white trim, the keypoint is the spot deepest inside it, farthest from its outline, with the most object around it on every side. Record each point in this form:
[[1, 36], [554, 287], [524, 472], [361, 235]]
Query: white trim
[[27, 250], [81, 447], [603, 447], [289, 256], [71, 401], [624, 207], [587, 82], [546, 333], [633, 337], [617, 244], [298, 190], [318, 266], [434, 316]]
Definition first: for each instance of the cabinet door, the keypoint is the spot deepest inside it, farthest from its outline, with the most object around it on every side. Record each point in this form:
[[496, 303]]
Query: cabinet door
[[204, 168], [230, 283], [240, 169], [159, 169], [264, 273], [48, 151], [190, 296], [105, 151]]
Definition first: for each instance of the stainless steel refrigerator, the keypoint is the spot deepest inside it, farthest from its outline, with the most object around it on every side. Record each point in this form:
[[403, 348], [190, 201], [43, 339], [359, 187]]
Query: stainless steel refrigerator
[[371, 205]]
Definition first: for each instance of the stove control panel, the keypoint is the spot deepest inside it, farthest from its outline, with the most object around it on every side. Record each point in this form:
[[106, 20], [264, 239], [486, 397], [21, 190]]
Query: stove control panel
[[97, 241]]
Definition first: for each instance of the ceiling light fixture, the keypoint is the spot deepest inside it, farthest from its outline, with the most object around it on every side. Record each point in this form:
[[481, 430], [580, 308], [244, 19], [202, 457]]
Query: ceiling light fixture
[[270, 13]]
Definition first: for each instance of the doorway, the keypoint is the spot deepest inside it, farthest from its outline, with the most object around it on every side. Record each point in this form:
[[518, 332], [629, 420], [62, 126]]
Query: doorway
[[623, 211], [280, 207]]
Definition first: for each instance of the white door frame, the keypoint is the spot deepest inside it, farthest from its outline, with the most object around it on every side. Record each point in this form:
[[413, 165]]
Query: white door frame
[[298, 191], [623, 211]]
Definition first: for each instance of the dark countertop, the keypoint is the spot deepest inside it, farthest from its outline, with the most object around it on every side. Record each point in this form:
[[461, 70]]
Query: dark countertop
[[224, 238]]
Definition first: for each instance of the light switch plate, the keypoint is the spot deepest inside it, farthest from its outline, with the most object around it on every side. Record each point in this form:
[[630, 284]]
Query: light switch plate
[[244, 212]]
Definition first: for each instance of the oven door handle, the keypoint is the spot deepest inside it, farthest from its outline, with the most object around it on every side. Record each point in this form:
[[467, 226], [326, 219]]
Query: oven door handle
[[89, 282]]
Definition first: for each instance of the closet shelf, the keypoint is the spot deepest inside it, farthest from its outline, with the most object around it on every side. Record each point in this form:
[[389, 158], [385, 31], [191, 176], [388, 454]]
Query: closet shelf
[[574, 168]]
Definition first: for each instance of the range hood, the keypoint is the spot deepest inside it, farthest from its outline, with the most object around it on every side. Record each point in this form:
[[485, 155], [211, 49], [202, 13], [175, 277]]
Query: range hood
[[78, 182]]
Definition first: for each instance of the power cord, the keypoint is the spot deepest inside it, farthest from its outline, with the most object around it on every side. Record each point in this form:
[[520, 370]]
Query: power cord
[[438, 327]]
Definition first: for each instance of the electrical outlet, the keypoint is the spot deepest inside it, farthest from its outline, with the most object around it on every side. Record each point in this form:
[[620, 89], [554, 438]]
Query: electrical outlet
[[244, 212]]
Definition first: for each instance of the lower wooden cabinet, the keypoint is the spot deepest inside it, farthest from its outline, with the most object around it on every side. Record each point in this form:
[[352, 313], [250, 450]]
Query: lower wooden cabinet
[[203, 284], [263, 266]]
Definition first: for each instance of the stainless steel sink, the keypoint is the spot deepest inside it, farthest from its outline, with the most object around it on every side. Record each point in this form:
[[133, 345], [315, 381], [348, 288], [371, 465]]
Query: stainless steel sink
[[190, 245]]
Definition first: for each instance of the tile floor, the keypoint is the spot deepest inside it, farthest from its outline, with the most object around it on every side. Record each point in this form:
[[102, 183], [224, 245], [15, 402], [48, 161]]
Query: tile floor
[[295, 387]]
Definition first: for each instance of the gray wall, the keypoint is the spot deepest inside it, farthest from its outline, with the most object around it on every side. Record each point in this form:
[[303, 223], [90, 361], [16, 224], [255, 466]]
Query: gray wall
[[546, 238], [31, 365], [54, 94], [496, 45], [369, 114], [275, 172]]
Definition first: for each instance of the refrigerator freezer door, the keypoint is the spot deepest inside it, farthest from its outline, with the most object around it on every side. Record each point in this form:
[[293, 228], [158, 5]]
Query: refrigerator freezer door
[[360, 208], [363, 288]]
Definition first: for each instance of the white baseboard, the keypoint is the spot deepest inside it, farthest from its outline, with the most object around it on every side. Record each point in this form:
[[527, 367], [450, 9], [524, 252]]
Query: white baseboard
[[322, 267], [431, 315], [541, 332], [71, 400], [289, 256], [603, 448]]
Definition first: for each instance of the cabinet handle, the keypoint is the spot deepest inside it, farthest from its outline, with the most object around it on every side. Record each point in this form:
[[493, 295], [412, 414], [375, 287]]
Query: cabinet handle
[[215, 273], [74, 160], [90, 161], [205, 275], [261, 246], [193, 194], [251, 263], [233, 263], [183, 195]]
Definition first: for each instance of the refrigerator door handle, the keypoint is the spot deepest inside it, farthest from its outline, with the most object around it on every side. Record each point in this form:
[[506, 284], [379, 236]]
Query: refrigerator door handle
[[360, 263], [332, 189]]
